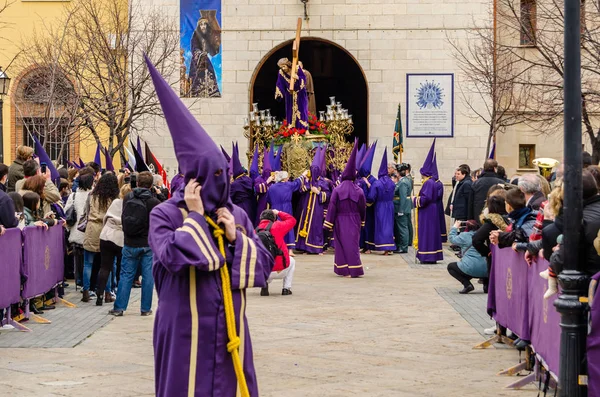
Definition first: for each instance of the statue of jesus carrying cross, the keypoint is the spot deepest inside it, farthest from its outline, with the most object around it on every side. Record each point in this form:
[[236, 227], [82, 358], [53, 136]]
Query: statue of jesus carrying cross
[[291, 86]]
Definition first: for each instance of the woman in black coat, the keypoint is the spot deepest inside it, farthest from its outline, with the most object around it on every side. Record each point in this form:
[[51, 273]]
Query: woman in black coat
[[492, 218]]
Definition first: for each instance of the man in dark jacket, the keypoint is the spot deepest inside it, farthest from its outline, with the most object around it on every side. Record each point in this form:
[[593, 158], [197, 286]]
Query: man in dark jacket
[[136, 250], [3, 177], [486, 180], [532, 188], [460, 198], [7, 211]]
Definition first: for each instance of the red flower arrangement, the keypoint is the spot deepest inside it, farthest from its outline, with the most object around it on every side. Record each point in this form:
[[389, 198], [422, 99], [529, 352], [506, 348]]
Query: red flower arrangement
[[286, 131]]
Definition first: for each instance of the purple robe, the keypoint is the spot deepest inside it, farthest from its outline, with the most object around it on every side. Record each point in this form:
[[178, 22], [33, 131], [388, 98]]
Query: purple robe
[[345, 216], [428, 223], [368, 231], [442, 215], [381, 196], [280, 198], [296, 102], [312, 207], [261, 188], [242, 195], [190, 334]]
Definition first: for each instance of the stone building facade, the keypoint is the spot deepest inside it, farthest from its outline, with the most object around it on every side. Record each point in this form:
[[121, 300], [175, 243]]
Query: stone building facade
[[386, 39]]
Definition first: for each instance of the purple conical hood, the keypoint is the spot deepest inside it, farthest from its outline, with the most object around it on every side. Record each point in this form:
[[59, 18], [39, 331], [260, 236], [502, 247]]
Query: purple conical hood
[[349, 173], [198, 155], [367, 163], [360, 155], [44, 158], [434, 169], [236, 165], [315, 167], [266, 171], [109, 163], [277, 157], [97, 158], [427, 169], [383, 169], [254, 165], [324, 161]]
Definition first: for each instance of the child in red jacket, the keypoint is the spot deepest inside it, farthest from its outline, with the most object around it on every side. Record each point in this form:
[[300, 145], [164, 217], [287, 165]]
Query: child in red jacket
[[281, 223]]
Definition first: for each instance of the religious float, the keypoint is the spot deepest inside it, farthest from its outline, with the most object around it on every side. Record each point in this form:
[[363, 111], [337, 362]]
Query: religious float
[[301, 131]]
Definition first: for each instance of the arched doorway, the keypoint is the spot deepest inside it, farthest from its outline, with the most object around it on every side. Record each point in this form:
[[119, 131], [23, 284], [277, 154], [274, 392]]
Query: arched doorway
[[335, 73]]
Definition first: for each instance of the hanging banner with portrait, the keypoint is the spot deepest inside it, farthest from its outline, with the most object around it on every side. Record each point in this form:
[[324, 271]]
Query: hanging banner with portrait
[[200, 42]]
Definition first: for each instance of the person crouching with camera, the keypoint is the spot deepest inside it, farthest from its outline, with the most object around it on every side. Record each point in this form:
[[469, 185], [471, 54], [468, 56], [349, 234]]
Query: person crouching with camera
[[472, 264]]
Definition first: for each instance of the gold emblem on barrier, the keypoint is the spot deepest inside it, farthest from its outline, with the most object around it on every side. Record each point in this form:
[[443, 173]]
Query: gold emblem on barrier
[[47, 258], [509, 283]]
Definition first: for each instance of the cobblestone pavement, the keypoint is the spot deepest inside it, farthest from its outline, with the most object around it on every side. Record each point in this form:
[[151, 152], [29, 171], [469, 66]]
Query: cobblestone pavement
[[394, 332]]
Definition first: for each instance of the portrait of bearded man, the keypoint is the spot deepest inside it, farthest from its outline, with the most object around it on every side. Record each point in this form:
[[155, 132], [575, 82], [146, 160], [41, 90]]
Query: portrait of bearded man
[[206, 43]]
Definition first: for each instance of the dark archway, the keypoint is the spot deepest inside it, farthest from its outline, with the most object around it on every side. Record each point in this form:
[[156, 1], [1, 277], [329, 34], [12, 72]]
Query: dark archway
[[335, 73]]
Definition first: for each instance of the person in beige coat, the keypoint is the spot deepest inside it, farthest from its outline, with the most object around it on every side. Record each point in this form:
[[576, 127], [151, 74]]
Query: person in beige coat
[[111, 244], [106, 190]]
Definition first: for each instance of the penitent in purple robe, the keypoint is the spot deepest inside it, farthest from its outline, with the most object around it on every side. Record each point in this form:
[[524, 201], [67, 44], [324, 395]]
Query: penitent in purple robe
[[261, 188], [296, 102], [381, 196], [242, 195], [280, 198], [428, 223], [190, 333], [346, 215], [312, 217], [368, 232]]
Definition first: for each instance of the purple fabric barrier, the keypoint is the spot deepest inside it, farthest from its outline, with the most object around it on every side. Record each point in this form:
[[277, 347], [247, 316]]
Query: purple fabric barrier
[[544, 320], [10, 267], [593, 346], [508, 300], [43, 259]]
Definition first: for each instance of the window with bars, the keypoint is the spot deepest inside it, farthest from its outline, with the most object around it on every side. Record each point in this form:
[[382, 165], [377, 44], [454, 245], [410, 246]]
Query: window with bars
[[54, 135], [528, 22]]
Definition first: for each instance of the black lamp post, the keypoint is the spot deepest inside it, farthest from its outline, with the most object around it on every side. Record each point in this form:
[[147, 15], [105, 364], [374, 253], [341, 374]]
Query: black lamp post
[[572, 281], [4, 84]]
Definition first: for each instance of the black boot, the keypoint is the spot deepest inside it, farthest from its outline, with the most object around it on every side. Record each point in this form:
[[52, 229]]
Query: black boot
[[264, 291], [98, 299]]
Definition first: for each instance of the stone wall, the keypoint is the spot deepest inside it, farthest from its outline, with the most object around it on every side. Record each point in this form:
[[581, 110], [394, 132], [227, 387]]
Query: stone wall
[[388, 39]]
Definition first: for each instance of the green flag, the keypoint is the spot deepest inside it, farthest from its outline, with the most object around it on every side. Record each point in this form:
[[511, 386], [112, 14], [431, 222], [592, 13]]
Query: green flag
[[398, 147]]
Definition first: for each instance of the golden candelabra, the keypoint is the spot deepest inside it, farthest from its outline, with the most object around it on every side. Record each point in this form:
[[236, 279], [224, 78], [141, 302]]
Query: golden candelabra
[[340, 126], [259, 128]]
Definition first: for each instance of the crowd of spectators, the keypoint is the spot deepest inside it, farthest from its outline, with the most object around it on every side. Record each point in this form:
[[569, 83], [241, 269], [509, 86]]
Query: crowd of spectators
[[92, 204]]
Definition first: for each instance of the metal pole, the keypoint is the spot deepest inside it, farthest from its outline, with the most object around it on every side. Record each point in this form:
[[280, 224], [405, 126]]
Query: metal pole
[[573, 283], [1, 131]]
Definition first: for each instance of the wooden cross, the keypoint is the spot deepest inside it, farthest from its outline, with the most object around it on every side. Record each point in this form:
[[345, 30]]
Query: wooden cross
[[295, 54]]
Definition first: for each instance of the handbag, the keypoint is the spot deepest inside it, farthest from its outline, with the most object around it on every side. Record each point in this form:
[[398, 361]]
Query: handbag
[[83, 221], [71, 213]]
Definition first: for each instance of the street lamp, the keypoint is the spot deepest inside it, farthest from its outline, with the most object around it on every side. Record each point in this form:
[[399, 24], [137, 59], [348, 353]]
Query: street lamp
[[572, 281], [4, 84]]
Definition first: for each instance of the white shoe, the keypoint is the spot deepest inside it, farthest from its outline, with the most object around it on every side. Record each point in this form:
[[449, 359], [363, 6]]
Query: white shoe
[[490, 331], [7, 327], [92, 294], [552, 288], [545, 274]]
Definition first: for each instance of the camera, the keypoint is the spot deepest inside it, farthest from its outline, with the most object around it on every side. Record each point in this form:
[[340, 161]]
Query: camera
[[44, 167], [133, 182]]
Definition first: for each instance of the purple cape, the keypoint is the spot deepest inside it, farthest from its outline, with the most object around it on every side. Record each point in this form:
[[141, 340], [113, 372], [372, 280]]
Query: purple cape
[[242, 195], [345, 216], [381, 195], [312, 217], [296, 103], [428, 223], [280, 198]]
